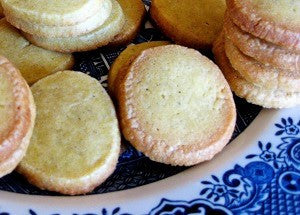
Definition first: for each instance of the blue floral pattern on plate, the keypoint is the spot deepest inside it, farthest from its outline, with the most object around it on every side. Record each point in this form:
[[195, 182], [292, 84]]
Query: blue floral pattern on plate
[[268, 184]]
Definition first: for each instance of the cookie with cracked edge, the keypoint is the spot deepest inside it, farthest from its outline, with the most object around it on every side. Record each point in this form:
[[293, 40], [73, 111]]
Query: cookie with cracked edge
[[134, 13], [261, 50], [176, 106], [76, 139], [252, 93], [275, 21], [257, 73], [17, 116], [90, 41], [190, 23]]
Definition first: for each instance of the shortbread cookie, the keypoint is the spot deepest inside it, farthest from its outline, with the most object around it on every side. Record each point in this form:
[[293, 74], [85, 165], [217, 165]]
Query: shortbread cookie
[[53, 13], [277, 21], [191, 23], [76, 140], [261, 50], [33, 62], [97, 38], [252, 93], [176, 106], [134, 13], [17, 115], [64, 31], [255, 72], [121, 64]]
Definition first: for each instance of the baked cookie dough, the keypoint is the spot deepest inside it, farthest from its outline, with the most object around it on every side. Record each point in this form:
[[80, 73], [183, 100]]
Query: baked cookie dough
[[17, 115], [76, 140], [176, 106], [191, 23], [33, 62]]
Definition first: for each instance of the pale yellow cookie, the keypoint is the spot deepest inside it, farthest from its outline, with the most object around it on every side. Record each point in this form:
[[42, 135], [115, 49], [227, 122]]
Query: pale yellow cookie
[[134, 13], [33, 62], [176, 106], [191, 23], [254, 94], [120, 66], [76, 140], [17, 115], [93, 40], [53, 13], [64, 31], [266, 76], [261, 50], [277, 21]]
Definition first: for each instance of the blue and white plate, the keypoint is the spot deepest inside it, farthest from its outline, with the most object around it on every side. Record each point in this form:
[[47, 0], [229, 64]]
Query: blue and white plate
[[257, 173]]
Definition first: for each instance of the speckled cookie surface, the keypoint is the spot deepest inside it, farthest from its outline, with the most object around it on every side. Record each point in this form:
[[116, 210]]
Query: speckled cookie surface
[[277, 21], [252, 93], [266, 76], [261, 50], [76, 140], [97, 38], [190, 23], [134, 13], [53, 13], [87, 26], [33, 62], [17, 114], [176, 106], [120, 66]]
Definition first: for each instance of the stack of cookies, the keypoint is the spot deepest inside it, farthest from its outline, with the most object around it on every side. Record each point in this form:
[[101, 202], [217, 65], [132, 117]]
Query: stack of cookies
[[259, 51], [70, 26]]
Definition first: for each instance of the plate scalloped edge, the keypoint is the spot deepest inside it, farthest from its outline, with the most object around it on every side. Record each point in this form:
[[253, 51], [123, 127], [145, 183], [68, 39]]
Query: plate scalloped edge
[[259, 172]]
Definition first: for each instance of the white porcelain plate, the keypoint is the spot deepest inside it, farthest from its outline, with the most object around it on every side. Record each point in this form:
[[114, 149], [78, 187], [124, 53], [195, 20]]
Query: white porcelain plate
[[257, 173]]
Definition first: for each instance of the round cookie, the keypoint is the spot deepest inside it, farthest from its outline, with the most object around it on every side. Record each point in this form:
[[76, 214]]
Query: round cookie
[[134, 13], [255, 72], [53, 13], [17, 115], [120, 66], [176, 106], [33, 62], [191, 23], [76, 140], [64, 31], [252, 93], [90, 41], [261, 50], [275, 21]]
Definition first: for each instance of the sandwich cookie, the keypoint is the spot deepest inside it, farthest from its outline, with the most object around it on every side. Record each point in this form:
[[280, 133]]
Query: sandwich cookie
[[176, 106], [17, 115], [76, 140]]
